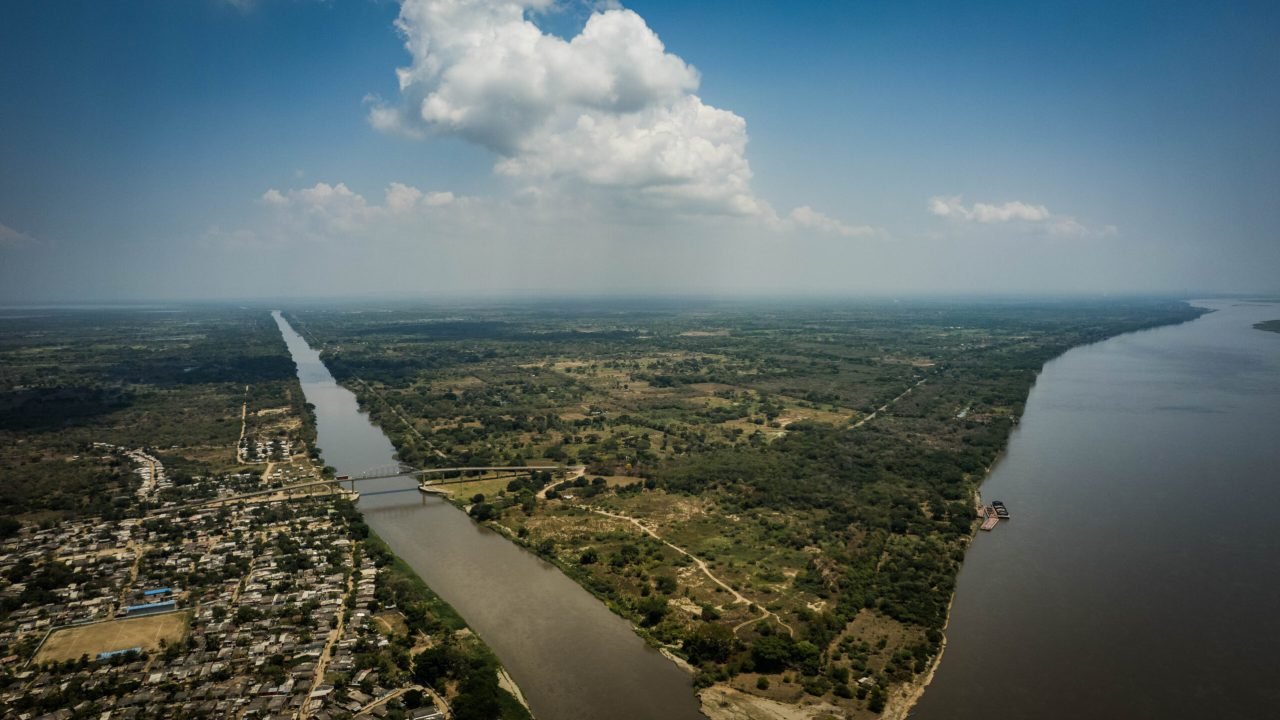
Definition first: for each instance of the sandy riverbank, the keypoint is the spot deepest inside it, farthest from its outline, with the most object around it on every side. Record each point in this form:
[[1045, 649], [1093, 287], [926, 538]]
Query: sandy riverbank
[[905, 696], [721, 702]]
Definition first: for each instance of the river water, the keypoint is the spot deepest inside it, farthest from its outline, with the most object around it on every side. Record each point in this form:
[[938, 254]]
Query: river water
[[1139, 576], [570, 655]]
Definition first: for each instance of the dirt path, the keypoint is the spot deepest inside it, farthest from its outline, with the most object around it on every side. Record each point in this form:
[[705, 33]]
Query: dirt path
[[138, 552], [738, 598], [412, 428], [569, 476], [334, 636], [886, 406], [244, 416]]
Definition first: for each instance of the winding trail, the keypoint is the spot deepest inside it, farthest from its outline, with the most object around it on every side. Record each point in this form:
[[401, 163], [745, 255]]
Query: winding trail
[[738, 597], [569, 476]]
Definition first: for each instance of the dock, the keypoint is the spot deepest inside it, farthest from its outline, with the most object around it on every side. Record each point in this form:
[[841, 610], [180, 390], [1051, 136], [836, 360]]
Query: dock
[[990, 519]]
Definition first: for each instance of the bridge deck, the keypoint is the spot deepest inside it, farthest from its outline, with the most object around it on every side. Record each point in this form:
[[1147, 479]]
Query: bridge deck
[[477, 468], [353, 480]]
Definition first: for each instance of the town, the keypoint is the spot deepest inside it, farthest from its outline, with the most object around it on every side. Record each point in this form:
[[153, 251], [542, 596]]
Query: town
[[258, 610]]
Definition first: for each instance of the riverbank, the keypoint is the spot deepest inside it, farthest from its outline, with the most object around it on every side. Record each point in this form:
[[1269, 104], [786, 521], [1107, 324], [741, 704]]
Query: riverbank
[[904, 698], [484, 682], [1078, 607]]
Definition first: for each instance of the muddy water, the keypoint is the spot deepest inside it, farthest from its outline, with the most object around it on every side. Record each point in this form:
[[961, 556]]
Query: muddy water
[[1140, 574], [571, 657]]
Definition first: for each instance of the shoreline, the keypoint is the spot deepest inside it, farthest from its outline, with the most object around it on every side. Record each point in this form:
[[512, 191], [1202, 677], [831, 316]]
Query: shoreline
[[906, 696]]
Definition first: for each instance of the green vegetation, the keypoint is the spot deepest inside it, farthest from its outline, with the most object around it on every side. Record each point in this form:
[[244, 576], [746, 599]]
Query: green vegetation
[[820, 460], [171, 382]]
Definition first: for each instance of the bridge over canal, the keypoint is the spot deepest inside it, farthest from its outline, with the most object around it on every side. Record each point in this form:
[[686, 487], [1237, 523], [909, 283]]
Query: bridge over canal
[[466, 474]]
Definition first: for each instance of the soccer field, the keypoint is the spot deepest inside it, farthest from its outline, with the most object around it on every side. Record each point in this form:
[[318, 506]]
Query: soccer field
[[144, 632]]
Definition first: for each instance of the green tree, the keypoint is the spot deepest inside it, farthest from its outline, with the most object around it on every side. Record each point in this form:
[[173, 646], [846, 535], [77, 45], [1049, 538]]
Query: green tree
[[652, 609], [710, 641], [772, 653]]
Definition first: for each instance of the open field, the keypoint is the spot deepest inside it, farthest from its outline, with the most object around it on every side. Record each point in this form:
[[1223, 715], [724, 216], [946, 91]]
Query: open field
[[143, 632]]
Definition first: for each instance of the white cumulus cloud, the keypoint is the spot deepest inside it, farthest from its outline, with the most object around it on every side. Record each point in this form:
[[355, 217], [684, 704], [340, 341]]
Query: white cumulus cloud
[[606, 110], [806, 217], [325, 211], [1014, 211]]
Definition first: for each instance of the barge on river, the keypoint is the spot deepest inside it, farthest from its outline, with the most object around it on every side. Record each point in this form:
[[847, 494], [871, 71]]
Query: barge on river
[[989, 517]]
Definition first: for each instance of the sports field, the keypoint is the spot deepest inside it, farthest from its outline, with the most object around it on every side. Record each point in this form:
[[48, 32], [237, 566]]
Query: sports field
[[143, 632]]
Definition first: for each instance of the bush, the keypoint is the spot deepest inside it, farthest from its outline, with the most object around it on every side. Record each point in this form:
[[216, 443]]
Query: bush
[[652, 609], [772, 653], [709, 642]]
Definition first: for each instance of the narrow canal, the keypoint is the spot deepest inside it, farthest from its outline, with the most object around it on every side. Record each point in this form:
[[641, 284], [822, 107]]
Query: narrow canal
[[571, 656]]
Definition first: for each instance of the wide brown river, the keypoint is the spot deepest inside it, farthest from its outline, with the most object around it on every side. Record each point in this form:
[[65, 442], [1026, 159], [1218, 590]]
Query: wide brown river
[[571, 656], [1139, 576]]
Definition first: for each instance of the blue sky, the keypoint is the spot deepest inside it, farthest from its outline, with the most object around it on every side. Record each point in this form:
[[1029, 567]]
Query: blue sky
[[204, 148]]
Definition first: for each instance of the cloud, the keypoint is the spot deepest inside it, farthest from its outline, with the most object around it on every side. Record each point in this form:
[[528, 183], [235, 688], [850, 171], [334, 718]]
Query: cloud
[[335, 212], [984, 213], [1014, 211], [806, 217], [608, 110], [10, 238]]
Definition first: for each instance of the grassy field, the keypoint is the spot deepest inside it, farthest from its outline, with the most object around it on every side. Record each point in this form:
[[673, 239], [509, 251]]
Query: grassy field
[[144, 632]]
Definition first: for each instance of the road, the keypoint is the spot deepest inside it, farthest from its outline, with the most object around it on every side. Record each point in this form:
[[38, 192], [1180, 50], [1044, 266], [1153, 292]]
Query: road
[[738, 598], [886, 406], [334, 636]]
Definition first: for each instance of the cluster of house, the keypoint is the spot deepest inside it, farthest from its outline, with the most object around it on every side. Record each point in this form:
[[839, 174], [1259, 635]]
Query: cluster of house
[[360, 697], [94, 561], [259, 612], [149, 468], [284, 474], [258, 451]]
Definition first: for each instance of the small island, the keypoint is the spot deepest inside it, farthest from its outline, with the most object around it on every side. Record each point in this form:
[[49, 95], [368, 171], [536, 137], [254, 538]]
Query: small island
[[1269, 326]]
